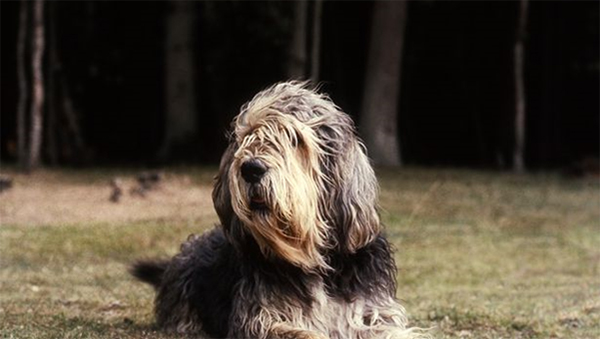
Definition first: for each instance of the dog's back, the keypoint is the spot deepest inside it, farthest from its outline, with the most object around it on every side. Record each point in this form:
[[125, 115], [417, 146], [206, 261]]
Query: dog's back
[[194, 287]]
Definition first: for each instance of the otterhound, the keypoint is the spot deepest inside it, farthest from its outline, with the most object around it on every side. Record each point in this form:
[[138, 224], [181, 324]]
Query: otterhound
[[300, 251]]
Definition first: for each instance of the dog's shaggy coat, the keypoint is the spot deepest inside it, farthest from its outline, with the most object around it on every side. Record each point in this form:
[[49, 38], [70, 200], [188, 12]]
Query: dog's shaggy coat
[[299, 252]]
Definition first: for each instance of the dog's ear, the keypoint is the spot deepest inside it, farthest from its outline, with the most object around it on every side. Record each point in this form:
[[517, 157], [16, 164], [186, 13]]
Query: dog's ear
[[358, 201], [352, 191], [220, 194]]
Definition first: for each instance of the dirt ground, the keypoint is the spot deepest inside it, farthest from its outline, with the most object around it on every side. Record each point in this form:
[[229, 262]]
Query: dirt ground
[[41, 199]]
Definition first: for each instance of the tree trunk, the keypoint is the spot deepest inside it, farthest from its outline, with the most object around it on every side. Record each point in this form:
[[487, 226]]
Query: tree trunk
[[297, 57], [315, 62], [37, 104], [519, 61], [382, 82], [23, 90], [52, 69], [180, 71], [72, 119]]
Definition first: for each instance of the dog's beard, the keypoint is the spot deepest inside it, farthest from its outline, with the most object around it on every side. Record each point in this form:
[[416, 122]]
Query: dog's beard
[[282, 217]]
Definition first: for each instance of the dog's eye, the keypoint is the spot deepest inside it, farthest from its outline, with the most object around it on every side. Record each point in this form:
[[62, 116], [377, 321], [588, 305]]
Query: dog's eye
[[296, 140]]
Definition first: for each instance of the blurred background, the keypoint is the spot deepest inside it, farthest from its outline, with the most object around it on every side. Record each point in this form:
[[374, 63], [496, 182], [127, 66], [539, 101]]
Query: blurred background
[[478, 115], [503, 85]]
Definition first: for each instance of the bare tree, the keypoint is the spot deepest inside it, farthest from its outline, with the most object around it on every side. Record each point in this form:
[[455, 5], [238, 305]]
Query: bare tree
[[52, 68], [315, 59], [379, 116], [61, 143], [37, 104], [72, 119], [23, 90], [180, 74], [297, 53], [519, 61]]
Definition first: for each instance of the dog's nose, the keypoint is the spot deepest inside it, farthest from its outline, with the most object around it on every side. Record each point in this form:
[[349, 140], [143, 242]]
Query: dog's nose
[[253, 171]]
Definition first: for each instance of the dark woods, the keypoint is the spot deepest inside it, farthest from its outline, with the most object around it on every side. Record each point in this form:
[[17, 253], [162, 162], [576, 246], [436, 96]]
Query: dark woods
[[107, 82]]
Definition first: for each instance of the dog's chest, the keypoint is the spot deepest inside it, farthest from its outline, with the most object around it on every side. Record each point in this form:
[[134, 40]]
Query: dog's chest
[[332, 316], [335, 317], [379, 316]]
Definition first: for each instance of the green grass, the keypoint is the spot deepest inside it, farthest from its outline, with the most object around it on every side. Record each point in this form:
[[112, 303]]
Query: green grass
[[480, 254]]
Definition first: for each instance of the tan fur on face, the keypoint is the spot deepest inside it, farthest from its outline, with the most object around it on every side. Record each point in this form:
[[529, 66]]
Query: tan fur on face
[[292, 228], [320, 187]]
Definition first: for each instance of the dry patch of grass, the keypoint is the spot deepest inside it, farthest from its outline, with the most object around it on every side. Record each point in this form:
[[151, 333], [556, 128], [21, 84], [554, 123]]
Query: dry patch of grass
[[54, 197], [481, 255], [485, 255]]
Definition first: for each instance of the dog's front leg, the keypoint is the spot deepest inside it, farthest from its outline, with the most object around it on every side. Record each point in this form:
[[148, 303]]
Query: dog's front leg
[[283, 331]]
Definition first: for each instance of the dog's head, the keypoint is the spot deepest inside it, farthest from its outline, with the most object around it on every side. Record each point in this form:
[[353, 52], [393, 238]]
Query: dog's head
[[296, 178]]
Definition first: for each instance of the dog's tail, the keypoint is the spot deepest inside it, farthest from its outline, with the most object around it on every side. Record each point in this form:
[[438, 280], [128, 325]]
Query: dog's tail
[[149, 271]]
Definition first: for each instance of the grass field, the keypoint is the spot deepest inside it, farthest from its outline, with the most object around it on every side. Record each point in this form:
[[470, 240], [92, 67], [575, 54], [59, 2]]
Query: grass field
[[480, 254]]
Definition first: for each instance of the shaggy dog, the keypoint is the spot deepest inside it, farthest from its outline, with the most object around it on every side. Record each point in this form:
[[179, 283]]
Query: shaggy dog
[[300, 251]]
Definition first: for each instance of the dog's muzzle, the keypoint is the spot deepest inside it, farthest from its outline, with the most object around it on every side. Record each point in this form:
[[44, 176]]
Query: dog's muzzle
[[253, 171], [257, 201]]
